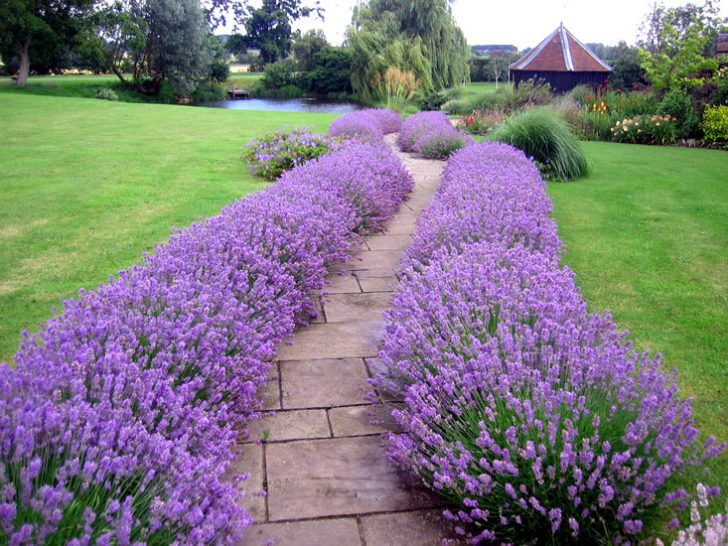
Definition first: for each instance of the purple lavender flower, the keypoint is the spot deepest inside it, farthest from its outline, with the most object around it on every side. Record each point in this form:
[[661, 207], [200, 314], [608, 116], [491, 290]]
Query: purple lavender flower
[[122, 414], [531, 416]]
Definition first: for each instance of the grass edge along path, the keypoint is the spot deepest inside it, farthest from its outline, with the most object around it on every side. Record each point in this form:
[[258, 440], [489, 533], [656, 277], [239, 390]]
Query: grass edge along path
[[647, 236], [89, 186]]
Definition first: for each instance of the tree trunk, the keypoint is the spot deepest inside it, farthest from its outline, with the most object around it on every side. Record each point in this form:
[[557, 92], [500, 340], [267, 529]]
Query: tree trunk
[[24, 68]]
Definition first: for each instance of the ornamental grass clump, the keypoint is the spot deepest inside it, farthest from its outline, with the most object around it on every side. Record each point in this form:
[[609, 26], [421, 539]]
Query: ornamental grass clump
[[122, 415], [280, 151], [545, 137], [536, 421]]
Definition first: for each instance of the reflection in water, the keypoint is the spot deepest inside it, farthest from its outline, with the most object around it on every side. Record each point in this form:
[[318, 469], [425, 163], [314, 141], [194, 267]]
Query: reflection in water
[[311, 105]]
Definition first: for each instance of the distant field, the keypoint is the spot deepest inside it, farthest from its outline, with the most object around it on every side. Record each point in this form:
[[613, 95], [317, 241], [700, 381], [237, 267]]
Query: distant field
[[647, 235], [89, 185]]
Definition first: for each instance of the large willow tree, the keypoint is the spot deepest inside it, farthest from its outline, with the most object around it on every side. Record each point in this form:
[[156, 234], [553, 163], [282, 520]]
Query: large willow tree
[[417, 36]]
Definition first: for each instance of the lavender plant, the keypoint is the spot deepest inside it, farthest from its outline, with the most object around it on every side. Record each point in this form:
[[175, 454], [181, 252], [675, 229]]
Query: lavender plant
[[280, 151], [535, 420], [432, 135], [367, 125], [122, 414]]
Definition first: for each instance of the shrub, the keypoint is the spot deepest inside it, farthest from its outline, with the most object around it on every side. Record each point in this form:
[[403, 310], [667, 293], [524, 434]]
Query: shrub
[[677, 105], [645, 130], [546, 138], [369, 124], [528, 94], [431, 134], [481, 122], [280, 151], [330, 72], [715, 125], [278, 75], [533, 419], [473, 202], [442, 142], [107, 94], [432, 100], [122, 415]]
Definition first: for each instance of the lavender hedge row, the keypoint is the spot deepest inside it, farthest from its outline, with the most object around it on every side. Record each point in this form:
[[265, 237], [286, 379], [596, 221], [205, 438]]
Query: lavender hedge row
[[536, 420], [370, 124], [432, 135], [121, 416]]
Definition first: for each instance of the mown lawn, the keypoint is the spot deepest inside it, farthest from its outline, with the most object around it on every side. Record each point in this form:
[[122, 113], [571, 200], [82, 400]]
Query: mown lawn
[[86, 86], [89, 185], [647, 236]]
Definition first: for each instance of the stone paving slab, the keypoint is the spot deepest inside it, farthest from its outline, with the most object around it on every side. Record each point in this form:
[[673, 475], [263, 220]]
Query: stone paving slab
[[389, 242], [270, 393], [290, 425], [341, 284], [419, 528], [379, 284], [353, 307], [361, 420], [250, 459], [323, 383], [322, 532], [372, 259], [377, 273], [340, 340], [341, 476]]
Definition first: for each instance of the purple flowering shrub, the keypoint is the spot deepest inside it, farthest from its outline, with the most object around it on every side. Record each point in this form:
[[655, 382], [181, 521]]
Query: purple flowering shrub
[[432, 135], [280, 151], [532, 418], [122, 414], [478, 198], [368, 125]]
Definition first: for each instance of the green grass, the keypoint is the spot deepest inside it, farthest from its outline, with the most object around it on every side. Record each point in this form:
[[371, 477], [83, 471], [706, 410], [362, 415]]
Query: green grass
[[476, 89], [647, 235], [88, 186], [86, 86]]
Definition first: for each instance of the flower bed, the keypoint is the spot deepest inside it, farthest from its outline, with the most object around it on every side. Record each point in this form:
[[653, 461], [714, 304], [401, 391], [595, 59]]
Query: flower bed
[[530, 416], [280, 151], [121, 415], [432, 135], [369, 124]]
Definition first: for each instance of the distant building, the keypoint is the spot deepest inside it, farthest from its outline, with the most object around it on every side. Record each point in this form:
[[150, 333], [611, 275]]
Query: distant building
[[722, 45], [494, 50], [562, 61]]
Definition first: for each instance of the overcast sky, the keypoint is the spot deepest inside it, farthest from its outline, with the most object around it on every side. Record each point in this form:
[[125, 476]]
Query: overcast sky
[[523, 23]]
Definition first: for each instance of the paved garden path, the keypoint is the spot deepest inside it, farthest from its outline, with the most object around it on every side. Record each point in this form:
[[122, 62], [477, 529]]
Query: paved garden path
[[321, 463]]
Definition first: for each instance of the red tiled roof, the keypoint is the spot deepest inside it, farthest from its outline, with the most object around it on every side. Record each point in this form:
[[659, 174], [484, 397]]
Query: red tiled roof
[[561, 52]]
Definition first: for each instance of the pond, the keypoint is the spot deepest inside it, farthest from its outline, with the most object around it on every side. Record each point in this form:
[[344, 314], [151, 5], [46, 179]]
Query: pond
[[309, 105]]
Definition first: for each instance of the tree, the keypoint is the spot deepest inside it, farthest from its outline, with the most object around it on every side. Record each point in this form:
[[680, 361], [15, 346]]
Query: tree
[[417, 36], [48, 24], [269, 27], [157, 41], [676, 45], [236, 45], [306, 47], [627, 71]]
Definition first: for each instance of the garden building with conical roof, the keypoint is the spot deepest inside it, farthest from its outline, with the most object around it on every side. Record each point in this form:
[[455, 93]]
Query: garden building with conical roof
[[562, 61]]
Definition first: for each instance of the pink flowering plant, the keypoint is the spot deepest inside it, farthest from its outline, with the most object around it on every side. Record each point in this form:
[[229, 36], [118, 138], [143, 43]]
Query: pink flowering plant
[[280, 151], [121, 416], [530, 416]]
